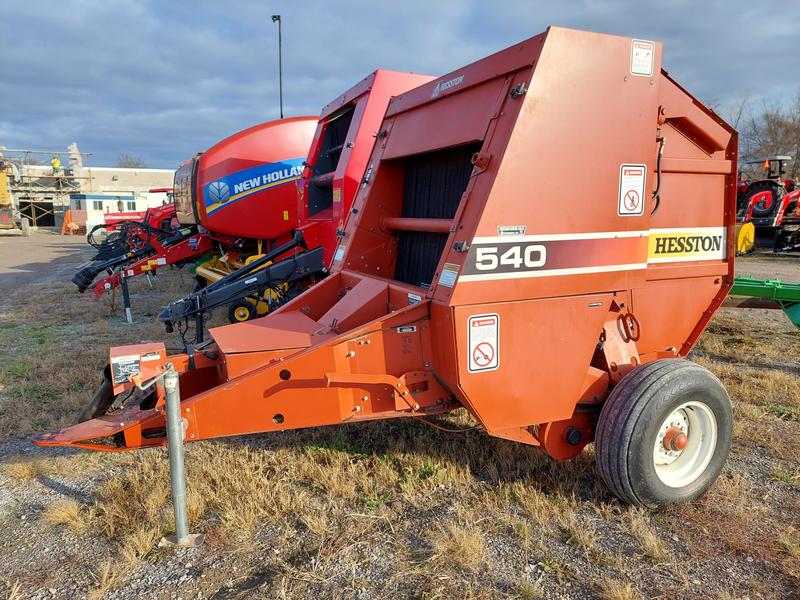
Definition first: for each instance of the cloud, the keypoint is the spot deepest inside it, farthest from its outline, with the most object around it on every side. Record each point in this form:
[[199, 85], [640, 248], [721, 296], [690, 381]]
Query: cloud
[[164, 80]]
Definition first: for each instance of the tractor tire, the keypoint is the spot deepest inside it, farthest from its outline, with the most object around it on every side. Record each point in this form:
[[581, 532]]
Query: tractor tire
[[25, 226], [761, 210], [664, 434], [241, 311]]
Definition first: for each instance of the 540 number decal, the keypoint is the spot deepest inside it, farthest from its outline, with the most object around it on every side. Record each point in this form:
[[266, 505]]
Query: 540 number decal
[[509, 257]]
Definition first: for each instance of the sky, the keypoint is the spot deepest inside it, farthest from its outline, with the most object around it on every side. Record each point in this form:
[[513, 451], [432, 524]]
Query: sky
[[162, 80]]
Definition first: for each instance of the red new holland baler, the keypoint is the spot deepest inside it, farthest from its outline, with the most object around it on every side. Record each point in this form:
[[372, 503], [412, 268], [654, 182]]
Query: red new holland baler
[[331, 175], [216, 213], [470, 274]]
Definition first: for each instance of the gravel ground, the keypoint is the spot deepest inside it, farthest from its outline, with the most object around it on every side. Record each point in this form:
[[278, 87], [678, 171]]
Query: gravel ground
[[584, 544]]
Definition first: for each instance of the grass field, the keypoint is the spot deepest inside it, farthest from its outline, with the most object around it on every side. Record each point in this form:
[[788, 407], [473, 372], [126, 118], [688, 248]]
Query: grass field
[[393, 508]]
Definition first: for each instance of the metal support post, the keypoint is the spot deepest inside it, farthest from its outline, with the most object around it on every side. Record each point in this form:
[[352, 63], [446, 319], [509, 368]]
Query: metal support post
[[126, 297], [175, 434]]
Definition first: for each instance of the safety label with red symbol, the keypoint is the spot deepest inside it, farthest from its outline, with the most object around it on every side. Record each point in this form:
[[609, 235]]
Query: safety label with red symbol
[[484, 342], [631, 189]]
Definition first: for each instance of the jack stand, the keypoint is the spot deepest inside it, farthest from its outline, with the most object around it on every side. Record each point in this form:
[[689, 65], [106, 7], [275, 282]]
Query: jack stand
[[175, 432]]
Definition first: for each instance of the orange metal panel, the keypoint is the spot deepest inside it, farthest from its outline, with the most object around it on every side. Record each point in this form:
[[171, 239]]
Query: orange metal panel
[[543, 352]]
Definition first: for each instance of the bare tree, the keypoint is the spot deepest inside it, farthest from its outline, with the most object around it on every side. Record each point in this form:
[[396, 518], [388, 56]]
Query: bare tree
[[129, 161], [738, 111], [774, 130]]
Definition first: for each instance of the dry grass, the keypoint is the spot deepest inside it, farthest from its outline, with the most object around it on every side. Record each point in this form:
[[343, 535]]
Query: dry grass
[[527, 589], [25, 469], [106, 577], [788, 543], [65, 512], [579, 531], [13, 590], [457, 545], [464, 516], [652, 545], [614, 589]]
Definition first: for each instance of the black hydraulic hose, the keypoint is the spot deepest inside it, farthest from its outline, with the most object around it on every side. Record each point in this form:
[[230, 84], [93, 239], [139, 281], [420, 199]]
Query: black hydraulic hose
[[657, 192]]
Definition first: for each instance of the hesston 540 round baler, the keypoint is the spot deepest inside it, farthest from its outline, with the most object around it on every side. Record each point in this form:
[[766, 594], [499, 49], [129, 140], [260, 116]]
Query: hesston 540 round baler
[[470, 273]]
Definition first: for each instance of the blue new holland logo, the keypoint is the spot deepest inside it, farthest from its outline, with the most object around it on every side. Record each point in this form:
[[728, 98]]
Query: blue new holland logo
[[236, 186], [219, 192]]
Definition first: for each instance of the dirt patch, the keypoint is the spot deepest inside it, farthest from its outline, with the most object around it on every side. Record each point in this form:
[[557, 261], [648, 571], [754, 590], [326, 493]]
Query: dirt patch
[[379, 509], [42, 257]]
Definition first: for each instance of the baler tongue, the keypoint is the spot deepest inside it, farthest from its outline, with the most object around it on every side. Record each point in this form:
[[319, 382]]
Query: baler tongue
[[286, 370]]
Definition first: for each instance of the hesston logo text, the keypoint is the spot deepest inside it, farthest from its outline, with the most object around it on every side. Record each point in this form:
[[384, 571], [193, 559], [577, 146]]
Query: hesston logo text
[[687, 244]]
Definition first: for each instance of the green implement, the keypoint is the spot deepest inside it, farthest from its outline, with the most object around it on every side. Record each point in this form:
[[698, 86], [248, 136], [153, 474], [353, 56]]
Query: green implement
[[748, 292]]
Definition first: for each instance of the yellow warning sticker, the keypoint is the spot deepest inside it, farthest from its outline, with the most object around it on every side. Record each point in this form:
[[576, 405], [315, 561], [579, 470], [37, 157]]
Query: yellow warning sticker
[[337, 195], [675, 245], [286, 215]]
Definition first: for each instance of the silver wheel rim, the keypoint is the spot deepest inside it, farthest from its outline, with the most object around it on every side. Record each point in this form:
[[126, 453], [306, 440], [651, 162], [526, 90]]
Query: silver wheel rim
[[679, 468]]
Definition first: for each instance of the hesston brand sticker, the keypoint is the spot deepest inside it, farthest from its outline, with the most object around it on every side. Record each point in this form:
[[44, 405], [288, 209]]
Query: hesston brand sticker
[[446, 85], [449, 275], [642, 56], [675, 245], [632, 180], [483, 334]]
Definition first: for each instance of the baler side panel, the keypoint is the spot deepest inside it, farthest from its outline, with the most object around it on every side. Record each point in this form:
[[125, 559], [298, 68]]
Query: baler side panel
[[698, 207], [541, 358], [559, 120]]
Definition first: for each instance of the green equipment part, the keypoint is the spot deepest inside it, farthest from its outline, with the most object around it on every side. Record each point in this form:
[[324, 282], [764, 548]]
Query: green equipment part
[[749, 292]]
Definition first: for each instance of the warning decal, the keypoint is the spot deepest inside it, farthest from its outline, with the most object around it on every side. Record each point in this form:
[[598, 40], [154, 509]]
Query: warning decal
[[642, 53], [632, 179], [125, 367], [449, 275], [484, 348]]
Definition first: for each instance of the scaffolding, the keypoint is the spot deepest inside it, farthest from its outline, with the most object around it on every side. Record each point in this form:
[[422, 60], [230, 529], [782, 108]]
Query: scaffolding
[[41, 193]]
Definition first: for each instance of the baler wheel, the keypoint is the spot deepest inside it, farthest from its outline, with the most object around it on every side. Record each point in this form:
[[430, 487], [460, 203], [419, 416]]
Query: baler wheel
[[241, 311], [664, 433]]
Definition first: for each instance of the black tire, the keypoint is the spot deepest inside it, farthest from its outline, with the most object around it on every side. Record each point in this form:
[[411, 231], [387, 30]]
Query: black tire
[[241, 311], [631, 421], [761, 211]]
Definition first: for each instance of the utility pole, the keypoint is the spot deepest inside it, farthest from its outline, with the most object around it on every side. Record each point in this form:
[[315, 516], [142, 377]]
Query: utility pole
[[277, 18]]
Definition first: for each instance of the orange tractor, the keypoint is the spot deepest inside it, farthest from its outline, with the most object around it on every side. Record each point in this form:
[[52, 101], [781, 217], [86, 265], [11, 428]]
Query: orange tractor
[[462, 279]]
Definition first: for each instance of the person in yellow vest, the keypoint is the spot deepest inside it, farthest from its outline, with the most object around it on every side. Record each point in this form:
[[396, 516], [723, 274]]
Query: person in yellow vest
[[56, 164]]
